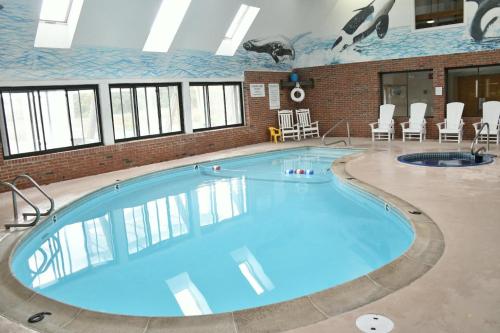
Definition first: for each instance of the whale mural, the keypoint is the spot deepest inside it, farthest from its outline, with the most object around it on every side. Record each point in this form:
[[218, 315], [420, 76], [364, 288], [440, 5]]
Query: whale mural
[[484, 6], [280, 48], [373, 17]]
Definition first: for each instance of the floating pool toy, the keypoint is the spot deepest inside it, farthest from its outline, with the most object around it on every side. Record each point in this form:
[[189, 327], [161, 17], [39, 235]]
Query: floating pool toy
[[216, 168]]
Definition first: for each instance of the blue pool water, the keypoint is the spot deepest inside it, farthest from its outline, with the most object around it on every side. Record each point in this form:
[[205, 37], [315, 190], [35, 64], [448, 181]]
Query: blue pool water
[[194, 241]]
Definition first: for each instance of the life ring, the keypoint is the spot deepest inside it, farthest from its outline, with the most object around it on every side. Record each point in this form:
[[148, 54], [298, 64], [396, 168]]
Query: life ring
[[297, 94]]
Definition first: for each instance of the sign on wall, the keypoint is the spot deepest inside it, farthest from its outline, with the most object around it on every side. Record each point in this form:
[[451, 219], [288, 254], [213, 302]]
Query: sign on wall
[[274, 96], [257, 90]]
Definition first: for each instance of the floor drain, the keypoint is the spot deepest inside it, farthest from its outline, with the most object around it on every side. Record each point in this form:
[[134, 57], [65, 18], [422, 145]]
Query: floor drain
[[37, 317], [415, 212], [350, 178], [374, 323]]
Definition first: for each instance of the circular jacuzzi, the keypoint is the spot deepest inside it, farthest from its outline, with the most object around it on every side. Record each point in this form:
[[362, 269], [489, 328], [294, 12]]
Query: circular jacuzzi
[[446, 159]]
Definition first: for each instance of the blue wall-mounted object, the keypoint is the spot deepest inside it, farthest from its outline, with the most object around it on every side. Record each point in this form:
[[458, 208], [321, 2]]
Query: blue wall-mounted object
[[294, 77]]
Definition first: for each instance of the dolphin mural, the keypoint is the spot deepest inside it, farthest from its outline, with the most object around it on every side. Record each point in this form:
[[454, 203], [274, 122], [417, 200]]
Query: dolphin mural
[[278, 47], [375, 16], [484, 6]]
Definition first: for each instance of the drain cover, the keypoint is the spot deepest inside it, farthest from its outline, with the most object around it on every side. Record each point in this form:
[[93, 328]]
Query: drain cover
[[374, 323]]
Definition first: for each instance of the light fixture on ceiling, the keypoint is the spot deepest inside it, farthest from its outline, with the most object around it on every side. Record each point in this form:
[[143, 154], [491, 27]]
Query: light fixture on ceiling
[[57, 24], [239, 27], [166, 24], [430, 21]]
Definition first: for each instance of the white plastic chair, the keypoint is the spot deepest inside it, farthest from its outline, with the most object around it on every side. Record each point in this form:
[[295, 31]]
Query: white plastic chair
[[289, 129], [307, 127], [385, 123], [491, 115], [452, 129], [416, 124]]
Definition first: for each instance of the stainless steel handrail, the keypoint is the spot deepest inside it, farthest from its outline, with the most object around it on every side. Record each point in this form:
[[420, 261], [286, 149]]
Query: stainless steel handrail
[[339, 141], [35, 184], [37, 210], [482, 149]]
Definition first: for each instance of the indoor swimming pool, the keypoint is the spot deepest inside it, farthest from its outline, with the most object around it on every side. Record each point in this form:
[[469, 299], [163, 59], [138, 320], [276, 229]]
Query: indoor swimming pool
[[217, 237]]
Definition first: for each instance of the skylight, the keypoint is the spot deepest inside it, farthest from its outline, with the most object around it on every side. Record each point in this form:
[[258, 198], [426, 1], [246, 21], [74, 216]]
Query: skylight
[[166, 24], [58, 21], [55, 10], [237, 30]]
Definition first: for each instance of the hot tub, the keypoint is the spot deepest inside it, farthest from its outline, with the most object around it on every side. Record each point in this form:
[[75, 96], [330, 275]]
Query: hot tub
[[446, 159]]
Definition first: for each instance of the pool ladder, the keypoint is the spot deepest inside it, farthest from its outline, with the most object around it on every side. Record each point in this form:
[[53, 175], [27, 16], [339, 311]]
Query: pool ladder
[[347, 143], [16, 192]]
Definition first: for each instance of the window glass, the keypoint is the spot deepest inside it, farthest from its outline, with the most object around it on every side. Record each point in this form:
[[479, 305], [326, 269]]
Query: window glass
[[215, 105], [473, 86], [406, 88], [142, 111], [217, 108], [55, 119], [170, 110], [435, 13], [83, 111], [199, 113], [44, 120], [233, 105]]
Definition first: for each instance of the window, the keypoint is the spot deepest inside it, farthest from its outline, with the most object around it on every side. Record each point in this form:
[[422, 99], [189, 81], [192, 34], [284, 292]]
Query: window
[[58, 22], [237, 30], [405, 88], [166, 24], [49, 119], [473, 86], [146, 110], [216, 105], [434, 13], [56, 11]]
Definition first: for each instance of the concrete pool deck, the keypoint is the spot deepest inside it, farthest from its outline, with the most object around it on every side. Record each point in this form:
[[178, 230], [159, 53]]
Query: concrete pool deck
[[459, 294]]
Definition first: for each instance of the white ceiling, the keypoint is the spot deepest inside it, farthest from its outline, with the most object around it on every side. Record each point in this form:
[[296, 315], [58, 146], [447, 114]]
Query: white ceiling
[[126, 23]]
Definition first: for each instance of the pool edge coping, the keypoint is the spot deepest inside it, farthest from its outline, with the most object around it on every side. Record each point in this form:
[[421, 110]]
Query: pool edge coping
[[425, 251]]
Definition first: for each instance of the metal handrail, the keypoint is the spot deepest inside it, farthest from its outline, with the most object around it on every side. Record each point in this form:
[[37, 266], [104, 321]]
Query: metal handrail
[[37, 210], [339, 141], [482, 149], [35, 184]]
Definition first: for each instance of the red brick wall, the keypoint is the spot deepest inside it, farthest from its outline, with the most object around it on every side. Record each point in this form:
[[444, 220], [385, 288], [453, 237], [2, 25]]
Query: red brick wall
[[84, 162], [352, 91]]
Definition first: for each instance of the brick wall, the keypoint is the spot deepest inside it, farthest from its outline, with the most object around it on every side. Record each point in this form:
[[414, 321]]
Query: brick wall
[[55, 167], [352, 91]]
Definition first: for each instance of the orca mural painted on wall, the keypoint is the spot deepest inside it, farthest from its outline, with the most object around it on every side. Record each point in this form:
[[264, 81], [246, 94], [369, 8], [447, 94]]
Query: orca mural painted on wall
[[279, 47], [484, 6], [373, 17]]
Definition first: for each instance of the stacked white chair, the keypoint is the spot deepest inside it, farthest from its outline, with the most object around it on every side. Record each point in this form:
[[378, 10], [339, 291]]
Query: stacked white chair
[[415, 127], [452, 129], [491, 115], [287, 125], [385, 125], [307, 127]]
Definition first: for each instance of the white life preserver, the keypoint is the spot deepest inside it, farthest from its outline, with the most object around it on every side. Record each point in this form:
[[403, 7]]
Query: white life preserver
[[297, 94]]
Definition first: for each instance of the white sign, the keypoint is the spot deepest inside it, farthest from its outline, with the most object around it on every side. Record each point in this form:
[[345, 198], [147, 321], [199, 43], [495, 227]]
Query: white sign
[[439, 91], [274, 96], [258, 90]]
